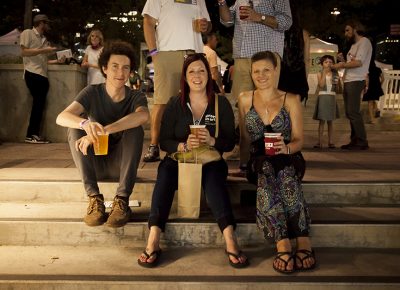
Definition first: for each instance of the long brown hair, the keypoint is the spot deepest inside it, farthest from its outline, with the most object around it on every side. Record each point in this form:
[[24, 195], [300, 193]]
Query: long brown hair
[[184, 94]]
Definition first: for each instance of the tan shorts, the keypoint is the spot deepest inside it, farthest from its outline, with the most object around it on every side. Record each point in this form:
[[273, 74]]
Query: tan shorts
[[242, 80], [167, 75]]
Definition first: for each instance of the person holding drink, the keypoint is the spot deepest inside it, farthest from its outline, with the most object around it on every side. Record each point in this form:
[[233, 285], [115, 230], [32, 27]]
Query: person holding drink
[[171, 29], [194, 106], [326, 108], [106, 136], [282, 213]]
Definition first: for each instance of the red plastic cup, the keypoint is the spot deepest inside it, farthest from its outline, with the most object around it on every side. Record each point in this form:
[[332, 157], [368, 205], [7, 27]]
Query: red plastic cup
[[269, 140], [240, 11]]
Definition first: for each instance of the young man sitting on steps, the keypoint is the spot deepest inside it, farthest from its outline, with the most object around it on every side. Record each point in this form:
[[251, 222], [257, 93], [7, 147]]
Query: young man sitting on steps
[[114, 109]]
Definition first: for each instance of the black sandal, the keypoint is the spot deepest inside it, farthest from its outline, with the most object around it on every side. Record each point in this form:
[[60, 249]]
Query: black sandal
[[237, 265], [148, 256], [278, 257], [308, 254]]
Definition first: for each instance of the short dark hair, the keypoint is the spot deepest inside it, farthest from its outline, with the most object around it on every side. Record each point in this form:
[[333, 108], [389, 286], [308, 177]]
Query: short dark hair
[[265, 55], [206, 36], [184, 85], [116, 47], [326, 56]]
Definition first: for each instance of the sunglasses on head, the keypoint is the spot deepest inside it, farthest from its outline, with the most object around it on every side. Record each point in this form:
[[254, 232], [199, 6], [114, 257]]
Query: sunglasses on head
[[194, 55]]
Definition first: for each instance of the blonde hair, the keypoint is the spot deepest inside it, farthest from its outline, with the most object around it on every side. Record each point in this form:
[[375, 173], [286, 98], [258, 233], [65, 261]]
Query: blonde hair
[[101, 43]]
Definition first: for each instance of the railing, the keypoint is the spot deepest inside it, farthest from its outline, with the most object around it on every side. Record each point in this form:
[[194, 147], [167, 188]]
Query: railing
[[390, 101]]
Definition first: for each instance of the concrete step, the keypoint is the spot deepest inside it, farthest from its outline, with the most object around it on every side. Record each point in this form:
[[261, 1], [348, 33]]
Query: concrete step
[[99, 267], [43, 185], [61, 224]]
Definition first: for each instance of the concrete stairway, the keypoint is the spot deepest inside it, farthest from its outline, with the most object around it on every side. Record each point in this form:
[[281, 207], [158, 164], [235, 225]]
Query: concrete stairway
[[45, 244], [354, 199]]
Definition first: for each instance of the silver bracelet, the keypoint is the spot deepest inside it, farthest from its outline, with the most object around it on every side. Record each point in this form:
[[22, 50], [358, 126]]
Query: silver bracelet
[[288, 149]]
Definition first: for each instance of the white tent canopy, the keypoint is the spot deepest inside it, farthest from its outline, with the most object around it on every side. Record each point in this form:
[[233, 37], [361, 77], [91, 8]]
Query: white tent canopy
[[9, 43], [319, 46]]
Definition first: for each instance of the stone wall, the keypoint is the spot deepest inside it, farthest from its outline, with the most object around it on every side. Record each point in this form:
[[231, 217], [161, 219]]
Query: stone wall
[[66, 81]]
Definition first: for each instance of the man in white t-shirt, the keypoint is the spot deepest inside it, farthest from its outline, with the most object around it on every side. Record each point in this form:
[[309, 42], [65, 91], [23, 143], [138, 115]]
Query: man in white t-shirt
[[172, 29], [210, 44], [356, 71]]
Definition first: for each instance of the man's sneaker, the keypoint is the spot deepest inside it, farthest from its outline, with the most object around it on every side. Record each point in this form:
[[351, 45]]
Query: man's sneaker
[[35, 139], [96, 211], [153, 154], [120, 213]]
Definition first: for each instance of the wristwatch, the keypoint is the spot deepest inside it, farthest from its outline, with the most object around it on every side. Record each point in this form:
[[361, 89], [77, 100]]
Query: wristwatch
[[263, 17]]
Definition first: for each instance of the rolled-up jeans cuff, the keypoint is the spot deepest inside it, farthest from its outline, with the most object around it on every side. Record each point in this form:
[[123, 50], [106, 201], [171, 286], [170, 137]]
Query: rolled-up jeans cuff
[[226, 221], [155, 221]]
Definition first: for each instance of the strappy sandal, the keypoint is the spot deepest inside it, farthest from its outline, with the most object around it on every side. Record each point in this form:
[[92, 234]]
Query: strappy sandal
[[148, 256], [331, 146], [308, 254], [237, 265], [279, 257]]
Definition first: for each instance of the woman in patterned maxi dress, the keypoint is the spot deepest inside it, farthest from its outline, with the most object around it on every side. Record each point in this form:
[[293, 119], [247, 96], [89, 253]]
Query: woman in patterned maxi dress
[[282, 213]]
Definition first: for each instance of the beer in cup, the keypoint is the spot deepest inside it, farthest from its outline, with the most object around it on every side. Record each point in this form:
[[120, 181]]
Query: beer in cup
[[269, 140], [101, 147], [194, 129], [241, 8]]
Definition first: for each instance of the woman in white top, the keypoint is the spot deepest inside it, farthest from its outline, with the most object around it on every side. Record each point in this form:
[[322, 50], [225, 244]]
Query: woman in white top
[[91, 58], [326, 108]]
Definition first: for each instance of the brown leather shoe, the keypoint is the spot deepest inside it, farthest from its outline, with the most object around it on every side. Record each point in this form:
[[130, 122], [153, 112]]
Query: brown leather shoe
[[120, 213], [96, 211]]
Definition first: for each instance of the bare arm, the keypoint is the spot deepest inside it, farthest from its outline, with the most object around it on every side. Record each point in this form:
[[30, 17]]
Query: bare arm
[[132, 120], [224, 12], [36, 51], [149, 29], [321, 78], [296, 117]]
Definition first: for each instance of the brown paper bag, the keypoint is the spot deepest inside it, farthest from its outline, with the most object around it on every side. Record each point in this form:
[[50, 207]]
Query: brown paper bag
[[189, 190]]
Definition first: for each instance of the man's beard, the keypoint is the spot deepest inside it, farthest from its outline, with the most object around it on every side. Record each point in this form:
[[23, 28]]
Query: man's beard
[[352, 39]]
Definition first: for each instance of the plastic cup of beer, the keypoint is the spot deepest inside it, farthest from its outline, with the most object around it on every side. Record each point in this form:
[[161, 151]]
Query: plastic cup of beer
[[194, 129], [196, 25], [101, 147], [241, 8], [269, 140], [196, 22]]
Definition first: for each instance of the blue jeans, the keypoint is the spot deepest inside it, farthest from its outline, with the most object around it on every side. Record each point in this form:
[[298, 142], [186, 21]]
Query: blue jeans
[[213, 180]]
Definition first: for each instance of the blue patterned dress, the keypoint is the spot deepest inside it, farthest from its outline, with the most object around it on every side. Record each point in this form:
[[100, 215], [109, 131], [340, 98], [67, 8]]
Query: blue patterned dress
[[282, 211]]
